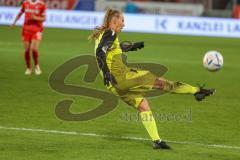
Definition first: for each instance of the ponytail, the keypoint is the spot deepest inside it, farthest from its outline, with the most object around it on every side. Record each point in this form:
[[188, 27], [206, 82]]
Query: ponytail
[[109, 14]]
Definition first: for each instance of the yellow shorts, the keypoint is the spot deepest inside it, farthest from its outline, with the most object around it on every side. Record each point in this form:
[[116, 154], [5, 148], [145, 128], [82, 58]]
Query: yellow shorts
[[131, 89]]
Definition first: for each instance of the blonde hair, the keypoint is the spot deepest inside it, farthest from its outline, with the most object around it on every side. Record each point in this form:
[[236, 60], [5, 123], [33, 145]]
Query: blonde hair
[[109, 15]]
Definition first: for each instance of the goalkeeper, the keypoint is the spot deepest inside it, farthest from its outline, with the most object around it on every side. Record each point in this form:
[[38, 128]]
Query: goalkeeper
[[129, 83]]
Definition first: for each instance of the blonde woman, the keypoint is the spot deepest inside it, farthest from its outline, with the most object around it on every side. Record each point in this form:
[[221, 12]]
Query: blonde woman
[[130, 83]]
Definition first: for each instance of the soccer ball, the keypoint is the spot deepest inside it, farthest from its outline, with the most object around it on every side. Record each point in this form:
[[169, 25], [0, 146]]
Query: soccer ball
[[213, 61]]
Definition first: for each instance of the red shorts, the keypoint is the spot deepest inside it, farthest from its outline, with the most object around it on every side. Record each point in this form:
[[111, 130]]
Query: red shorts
[[29, 36]]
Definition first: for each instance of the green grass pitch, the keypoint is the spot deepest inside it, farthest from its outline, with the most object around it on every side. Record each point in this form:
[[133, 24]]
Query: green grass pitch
[[28, 102]]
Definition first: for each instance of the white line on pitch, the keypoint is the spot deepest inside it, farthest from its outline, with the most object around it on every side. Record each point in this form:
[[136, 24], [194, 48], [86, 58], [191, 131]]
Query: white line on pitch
[[116, 137]]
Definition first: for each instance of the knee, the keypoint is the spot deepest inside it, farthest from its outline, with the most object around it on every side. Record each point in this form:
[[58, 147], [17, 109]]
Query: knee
[[144, 106], [159, 83], [27, 50], [34, 50]]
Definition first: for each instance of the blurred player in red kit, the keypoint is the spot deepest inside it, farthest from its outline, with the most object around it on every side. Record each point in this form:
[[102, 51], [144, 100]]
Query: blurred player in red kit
[[35, 15]]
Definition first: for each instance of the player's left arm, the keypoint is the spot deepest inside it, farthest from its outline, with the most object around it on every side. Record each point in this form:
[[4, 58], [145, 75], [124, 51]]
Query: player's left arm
[[42, 16], [129, 46]]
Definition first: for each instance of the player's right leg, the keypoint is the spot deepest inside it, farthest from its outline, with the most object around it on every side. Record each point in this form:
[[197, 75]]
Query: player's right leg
[[182, 88], [27, 56]]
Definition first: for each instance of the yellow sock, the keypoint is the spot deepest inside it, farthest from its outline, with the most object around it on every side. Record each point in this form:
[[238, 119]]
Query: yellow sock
[[179, 87], [150, 124]]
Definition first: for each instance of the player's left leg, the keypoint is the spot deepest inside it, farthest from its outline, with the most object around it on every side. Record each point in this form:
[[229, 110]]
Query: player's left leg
[[137, 100], [149, 123], [179, 87], [34, 48]]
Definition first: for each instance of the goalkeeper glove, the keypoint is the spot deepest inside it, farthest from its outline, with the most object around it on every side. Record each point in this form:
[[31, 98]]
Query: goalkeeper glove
[[136, 46], [128, 46]]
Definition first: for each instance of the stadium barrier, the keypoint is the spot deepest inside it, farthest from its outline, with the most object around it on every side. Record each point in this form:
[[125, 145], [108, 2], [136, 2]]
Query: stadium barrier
[[163, 8], [86, 5], [143, 23]]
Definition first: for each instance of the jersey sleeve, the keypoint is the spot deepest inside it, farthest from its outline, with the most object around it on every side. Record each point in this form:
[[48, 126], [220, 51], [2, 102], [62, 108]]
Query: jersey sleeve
[[43, 10], [107, 41], [105, 44], [101, 53]]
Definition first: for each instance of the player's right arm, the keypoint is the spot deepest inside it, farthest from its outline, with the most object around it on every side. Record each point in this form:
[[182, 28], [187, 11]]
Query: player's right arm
[[104, 46], [18, 16]]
